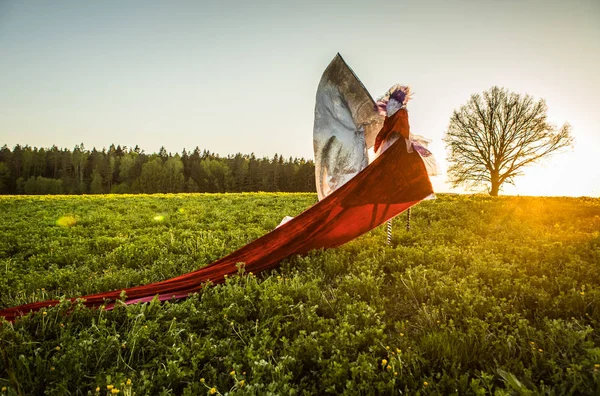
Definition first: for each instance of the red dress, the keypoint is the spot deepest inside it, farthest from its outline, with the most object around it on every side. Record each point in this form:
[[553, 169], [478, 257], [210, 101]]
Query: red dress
[[398, 122]]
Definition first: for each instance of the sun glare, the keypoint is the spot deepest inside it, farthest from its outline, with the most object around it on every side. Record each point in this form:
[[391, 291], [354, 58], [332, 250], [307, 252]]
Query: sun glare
[[568, 174]]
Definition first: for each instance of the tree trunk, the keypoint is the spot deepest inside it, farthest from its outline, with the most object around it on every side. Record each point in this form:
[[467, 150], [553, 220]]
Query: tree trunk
[[495, 178]]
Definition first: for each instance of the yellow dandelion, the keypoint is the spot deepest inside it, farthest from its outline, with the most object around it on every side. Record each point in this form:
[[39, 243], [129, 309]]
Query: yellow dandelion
[[532, 343], [395, 373], [582, 293], [213, 391], [597, 366], [4, 389], [114, 391], [232, 372], [540, 350], [57, 348], [44, 313], [66, 221], [62, 325], [389, 367], [97, 389], [383, 362], [401, 334], [109, 387], [242, 383], [387, 348], [128, 381], [425, 383], [398, 350], [201, 380]]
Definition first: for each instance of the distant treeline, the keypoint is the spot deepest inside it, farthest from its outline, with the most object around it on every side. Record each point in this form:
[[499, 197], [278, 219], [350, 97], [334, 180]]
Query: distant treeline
[[27, 170]]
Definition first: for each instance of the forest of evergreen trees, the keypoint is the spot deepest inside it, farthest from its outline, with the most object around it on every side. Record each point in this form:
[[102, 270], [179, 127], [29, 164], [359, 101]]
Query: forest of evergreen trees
[[27, 170]]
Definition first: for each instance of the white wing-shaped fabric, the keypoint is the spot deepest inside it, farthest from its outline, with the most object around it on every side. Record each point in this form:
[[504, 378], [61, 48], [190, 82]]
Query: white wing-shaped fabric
[[346, 124]]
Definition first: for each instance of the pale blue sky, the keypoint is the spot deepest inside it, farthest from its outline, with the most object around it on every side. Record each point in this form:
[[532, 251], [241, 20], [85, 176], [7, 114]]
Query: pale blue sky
[[241, 76]]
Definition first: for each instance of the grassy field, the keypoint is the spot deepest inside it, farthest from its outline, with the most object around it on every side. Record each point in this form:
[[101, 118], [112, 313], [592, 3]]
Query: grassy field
[[481, 296]]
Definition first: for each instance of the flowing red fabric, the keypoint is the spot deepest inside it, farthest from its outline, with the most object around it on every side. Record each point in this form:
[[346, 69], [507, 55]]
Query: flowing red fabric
[[395, 181], [396, 123]]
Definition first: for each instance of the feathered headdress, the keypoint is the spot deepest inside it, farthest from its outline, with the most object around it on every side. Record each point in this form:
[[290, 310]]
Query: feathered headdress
[[393, 100]]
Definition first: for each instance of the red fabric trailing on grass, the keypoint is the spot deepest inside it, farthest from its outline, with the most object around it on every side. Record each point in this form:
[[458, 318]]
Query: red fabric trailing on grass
[[393, 183]]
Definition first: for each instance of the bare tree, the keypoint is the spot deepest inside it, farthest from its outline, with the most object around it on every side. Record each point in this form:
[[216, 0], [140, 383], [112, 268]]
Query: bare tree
[[496, 134]]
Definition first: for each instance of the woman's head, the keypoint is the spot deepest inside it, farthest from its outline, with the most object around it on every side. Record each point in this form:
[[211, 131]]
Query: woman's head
[[393, 100]]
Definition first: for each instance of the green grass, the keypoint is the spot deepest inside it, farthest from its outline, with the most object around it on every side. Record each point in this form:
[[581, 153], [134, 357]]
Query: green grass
[[482, 296]]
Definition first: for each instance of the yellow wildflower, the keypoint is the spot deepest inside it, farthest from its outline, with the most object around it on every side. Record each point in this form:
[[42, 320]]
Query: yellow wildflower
[[57, 348], [395, 373], [532, 343], [44, 313], [425, 383], [383, 362], [582, 293], [109, 387], [114, 391], [540, 350], [201, 380], [97, 389], [232, 372], [128, 381], [387, 348], [398, 350], [389, 367], [4, 389], [401, 334], [242, 382], [52, 368], [213, 391]]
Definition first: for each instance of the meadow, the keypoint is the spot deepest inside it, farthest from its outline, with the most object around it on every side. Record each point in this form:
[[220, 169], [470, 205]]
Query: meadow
[[481, 296]]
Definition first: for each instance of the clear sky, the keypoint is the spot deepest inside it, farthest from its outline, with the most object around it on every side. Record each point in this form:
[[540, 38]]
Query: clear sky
[[241, 76]]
